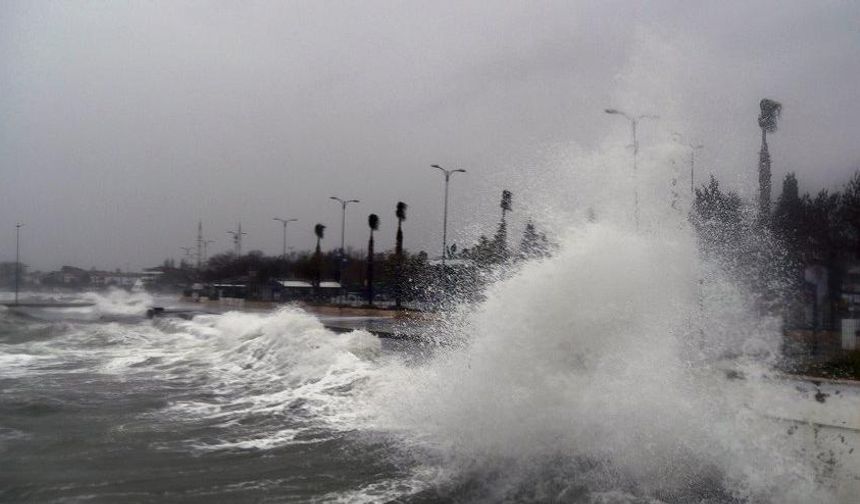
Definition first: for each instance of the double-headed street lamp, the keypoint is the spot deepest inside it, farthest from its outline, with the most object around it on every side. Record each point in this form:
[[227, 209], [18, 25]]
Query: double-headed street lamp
[[634, 121], [343, 204], [187, 251], [448, 174], [285, 222], [237, 239], [693, 148]]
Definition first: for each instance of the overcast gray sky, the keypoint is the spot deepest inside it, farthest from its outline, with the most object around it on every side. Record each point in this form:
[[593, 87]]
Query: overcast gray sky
[[123, 123]]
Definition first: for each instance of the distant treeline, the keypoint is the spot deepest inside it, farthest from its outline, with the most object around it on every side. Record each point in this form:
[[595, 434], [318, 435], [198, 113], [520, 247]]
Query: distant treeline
[[773, 251], [395, 273]]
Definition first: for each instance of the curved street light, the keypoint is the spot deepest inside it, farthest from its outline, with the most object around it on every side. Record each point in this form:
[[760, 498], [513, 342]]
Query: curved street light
[[677, 137], [448, 174], [343, 204]]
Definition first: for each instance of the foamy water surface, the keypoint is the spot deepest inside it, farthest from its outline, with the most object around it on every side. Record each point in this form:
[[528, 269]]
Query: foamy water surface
[[632, 390]]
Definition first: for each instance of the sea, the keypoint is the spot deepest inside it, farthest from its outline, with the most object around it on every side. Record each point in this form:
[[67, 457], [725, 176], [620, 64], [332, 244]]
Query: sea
[[607, 373]]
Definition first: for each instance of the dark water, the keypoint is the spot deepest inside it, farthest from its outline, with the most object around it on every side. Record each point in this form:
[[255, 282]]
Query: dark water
[[104, 412], [102, 405], [91, 437]]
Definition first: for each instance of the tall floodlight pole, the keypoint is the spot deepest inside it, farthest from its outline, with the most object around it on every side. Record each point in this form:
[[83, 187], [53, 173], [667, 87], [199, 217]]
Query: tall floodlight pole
[[634, 122], [693, 148], [343, 204], [284, 222], [448, 174], [18, 227]]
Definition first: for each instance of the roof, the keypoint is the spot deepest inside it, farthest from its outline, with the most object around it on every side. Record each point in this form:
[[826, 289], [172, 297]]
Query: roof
[[330, 285], [295, 284]]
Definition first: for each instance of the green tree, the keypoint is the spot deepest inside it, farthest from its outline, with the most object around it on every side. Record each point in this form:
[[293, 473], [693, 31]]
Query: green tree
[[533, 243], [718, 219], [850, 213], [788, 216]]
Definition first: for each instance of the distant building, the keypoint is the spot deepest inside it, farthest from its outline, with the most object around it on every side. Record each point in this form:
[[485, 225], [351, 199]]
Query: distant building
[[7, 273], [114, 279], [850, 292]]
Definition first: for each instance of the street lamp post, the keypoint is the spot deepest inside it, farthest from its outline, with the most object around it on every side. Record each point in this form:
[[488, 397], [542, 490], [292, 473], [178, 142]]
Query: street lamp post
[[693, 148], [18, 227], [237, 239], [634, 122], [343, 204], [284, 222], [205, 249], [448, 174], [188, 251]]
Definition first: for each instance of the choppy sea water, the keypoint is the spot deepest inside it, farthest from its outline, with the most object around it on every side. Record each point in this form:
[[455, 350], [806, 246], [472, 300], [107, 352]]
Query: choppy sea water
[[545, 392]]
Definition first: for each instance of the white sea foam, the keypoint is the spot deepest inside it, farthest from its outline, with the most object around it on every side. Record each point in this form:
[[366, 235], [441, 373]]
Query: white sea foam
[[268, 369], [597, 375], [603, 354], [119, 302]]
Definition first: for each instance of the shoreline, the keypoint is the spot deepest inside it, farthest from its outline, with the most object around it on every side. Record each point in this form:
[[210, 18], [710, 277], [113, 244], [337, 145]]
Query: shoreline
[[407, 316]]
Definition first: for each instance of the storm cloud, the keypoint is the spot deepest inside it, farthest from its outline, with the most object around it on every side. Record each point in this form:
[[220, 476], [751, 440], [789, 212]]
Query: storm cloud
[[124, 123]]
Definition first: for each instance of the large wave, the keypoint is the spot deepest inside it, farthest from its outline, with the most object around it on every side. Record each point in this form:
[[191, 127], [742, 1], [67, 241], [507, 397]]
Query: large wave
[[623, 369], [601, 373]]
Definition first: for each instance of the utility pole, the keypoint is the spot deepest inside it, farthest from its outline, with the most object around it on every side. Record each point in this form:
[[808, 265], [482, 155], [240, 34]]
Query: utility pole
[[448, 174], [18, 227], [634, 122]]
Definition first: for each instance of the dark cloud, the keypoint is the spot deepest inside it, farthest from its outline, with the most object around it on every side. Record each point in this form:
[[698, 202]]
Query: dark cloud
[[124, 123]]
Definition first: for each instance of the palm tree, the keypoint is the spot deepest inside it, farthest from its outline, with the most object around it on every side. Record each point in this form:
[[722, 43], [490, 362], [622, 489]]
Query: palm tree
[[373, 223], [319, 231], [501, 238], [398, 255], [506, 202], [770, 112]]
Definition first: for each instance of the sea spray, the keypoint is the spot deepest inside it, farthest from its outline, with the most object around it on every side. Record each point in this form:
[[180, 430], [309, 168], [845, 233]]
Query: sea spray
[[119, 302], [603, 365], [275, 369]]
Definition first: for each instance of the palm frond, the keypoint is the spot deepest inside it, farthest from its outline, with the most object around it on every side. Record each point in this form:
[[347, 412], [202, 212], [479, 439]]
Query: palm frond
[[770, 112], [506, 200]]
